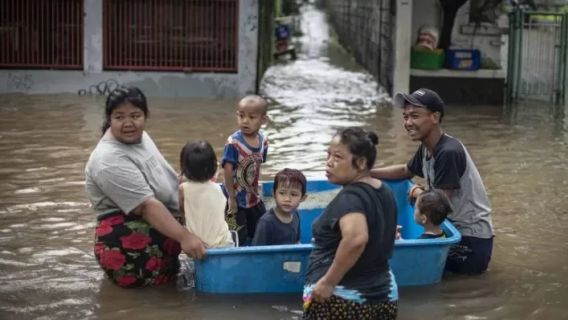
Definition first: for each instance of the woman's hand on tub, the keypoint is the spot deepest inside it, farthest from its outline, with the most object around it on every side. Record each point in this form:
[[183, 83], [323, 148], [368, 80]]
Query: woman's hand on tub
[[398, 234]]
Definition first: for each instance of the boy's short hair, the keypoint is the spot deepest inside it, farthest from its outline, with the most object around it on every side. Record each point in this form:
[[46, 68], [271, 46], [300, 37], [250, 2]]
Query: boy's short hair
[[435, 205], [290, 177], [255, 100]]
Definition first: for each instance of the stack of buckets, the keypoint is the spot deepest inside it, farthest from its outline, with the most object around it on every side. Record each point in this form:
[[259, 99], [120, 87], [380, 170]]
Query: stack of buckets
[[426, 54]]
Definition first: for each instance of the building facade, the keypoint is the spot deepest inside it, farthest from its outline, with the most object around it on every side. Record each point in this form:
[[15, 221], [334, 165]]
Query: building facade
[[192, 48]]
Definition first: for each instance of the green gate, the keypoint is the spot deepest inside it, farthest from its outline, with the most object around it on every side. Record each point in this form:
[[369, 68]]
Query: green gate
[[538, 58]]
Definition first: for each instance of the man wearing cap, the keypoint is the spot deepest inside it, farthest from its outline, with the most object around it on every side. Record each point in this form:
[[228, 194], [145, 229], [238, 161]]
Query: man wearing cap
[[445, 164]]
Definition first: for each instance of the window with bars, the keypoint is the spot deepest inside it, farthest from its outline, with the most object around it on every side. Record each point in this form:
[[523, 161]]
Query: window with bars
[[45, 34], [171, 35]]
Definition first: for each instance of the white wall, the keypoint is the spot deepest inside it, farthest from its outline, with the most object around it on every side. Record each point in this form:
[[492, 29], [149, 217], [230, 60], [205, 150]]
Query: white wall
[[487, 37], [425, 13]]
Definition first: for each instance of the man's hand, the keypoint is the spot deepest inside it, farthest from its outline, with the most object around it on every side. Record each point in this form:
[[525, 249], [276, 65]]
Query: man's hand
[[414, 192]]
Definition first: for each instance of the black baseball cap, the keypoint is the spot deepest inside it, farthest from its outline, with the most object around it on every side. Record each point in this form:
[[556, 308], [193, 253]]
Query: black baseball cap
[[423, 97]]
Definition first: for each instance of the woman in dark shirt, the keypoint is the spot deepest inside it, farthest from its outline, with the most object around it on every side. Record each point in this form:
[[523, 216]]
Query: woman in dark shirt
[[348, 274]]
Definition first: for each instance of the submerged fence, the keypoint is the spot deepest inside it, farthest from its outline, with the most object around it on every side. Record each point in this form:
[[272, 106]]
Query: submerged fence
[[171, 35], [266, 14], [41, 34], [367, 29]]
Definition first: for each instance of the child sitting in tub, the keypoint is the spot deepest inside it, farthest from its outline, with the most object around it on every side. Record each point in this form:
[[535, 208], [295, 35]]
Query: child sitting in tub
[[201, 199], [281, 224], [432, 208]]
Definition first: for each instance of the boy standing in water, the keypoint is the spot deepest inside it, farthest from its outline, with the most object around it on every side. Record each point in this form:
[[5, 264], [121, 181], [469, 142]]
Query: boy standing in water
[[245, 150]]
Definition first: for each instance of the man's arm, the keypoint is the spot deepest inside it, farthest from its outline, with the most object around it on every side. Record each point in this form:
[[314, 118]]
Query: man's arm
[[448, 192], [399, 171]]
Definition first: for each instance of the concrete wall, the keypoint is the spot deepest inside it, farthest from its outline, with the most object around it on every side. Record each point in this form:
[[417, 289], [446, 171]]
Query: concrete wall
[[172, 84], [469, 91], [425, 13]]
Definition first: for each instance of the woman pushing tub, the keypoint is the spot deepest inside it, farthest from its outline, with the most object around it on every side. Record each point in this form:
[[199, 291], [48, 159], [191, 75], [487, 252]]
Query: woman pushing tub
[[348, 273], [133, 190]]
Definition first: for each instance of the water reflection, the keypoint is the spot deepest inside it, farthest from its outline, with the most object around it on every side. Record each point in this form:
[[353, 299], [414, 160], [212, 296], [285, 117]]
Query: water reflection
[[314, 97], [46, 228]]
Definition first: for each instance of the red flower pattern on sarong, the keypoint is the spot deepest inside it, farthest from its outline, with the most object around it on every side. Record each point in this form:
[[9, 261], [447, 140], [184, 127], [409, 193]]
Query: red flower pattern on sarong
[[132, 255], [161, 279], [99, 248], [112, 220], [171, 246], [112, 259], [103, 229], [135, 241], [126, 280], [153, 264]]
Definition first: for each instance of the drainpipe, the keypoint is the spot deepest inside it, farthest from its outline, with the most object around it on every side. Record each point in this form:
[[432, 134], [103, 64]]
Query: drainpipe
[[403, 44]]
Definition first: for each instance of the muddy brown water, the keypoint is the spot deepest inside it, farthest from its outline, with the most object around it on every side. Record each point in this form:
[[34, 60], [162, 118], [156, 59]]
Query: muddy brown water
[[47, 268]]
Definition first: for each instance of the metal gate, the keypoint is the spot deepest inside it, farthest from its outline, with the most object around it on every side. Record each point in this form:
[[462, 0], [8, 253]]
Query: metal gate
[[45, 34], [366, 28], [171, 35], [537, 62]]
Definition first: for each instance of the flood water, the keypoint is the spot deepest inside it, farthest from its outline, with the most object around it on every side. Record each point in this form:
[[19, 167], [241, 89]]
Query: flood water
[[48, 271]]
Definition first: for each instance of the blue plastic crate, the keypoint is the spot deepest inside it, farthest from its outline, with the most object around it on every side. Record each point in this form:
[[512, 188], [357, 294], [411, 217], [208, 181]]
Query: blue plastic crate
[[463, 59], [281, 269], [282, 32]]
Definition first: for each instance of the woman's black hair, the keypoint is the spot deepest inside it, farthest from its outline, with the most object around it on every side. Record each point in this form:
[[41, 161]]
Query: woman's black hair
[[361, 143], [198, 161], [121, 95], [435, 205]]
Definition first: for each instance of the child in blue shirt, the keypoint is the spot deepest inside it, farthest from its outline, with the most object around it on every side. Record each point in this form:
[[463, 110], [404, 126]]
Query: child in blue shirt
[[245, 150], [281, 225], [432, 208]]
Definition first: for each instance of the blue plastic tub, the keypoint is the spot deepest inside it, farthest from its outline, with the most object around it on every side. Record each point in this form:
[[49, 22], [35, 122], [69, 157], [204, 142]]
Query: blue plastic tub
[[281, 269]]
